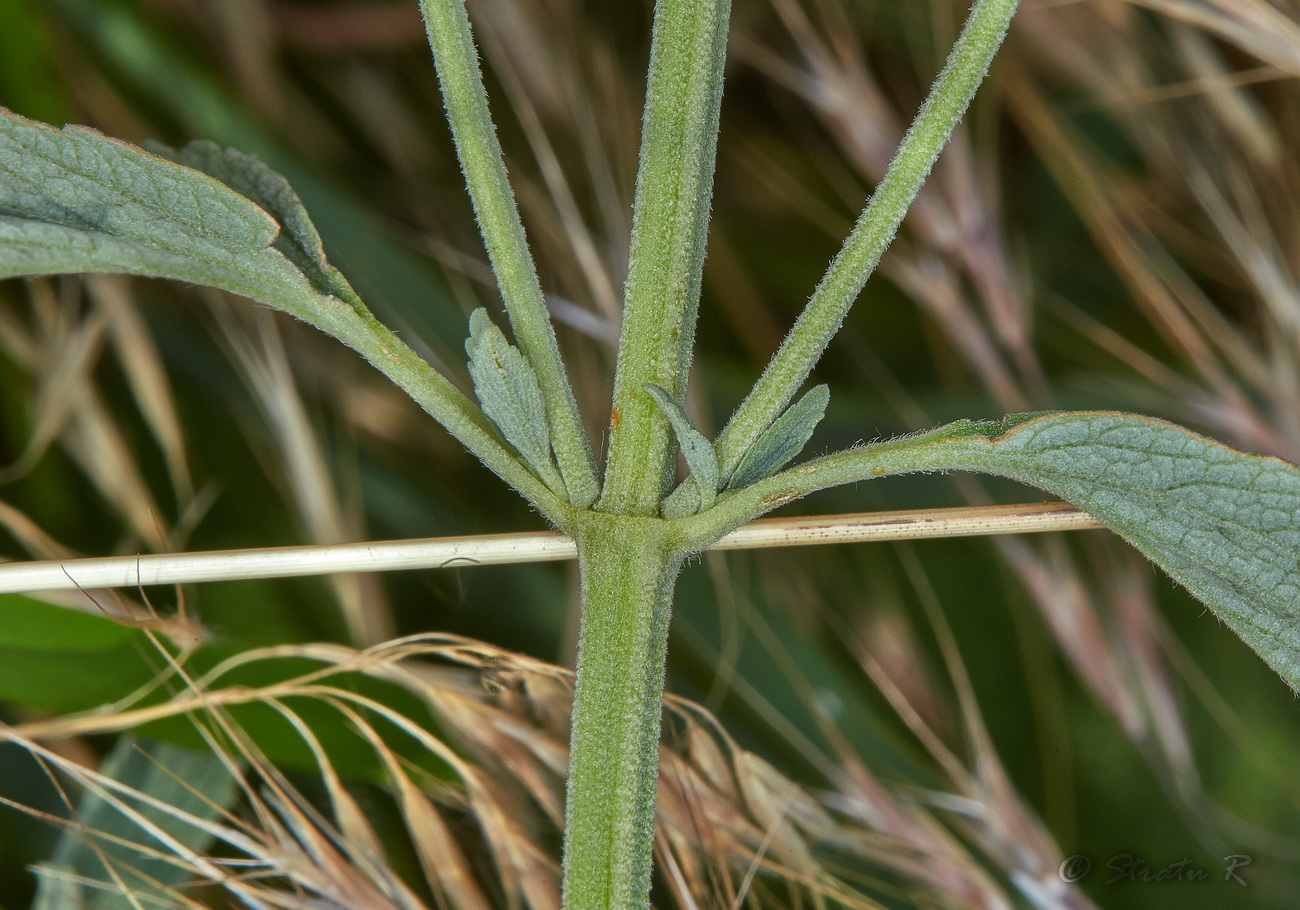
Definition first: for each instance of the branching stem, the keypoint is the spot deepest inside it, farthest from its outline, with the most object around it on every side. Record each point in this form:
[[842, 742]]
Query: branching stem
[[875, 229], [503, 234]]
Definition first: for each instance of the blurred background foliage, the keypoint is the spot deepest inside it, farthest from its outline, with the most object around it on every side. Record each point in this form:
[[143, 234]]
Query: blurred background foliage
[[1116, 226]]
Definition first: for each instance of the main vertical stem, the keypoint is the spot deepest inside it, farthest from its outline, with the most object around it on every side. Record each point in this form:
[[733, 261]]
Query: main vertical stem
[[628, 567], [670, 222]]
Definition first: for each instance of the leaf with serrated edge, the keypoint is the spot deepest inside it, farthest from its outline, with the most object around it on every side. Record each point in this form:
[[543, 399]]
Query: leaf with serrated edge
[[697, 450], [1224, 524], [508, 391], [73, 200], [247, 175], [783, 440]]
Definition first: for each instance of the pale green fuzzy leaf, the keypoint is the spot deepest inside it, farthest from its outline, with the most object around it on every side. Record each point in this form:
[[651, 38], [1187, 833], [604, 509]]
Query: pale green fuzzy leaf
[[697, 450], [783, 440], [195, 784], [1224, 524], [508, 391], [248, 176], [73, 200]]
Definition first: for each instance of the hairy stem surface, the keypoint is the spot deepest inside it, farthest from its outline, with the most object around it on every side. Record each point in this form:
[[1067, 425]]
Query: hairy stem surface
[[839, 288], [670, 221], [628, 567], [503, 234]]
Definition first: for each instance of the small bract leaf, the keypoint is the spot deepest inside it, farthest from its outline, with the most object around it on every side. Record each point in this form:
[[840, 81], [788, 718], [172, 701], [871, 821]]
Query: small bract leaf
[[697, 450], [508, 391], [783, 440]]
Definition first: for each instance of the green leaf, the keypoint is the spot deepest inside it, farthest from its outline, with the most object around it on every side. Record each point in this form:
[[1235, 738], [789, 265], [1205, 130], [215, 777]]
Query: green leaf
[[247, 175], [1224, 524], [73, 200], [192, 782], [697, 450], [57, 659], [508, 391], [783, 440]]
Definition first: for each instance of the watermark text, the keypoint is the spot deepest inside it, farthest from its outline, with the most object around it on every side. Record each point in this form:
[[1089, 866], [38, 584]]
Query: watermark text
[[1124, 868]]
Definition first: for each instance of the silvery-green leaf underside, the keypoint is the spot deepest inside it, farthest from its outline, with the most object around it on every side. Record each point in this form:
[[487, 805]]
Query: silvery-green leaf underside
[[510, 396], [1223, 523], [73, 200], [696, 449]]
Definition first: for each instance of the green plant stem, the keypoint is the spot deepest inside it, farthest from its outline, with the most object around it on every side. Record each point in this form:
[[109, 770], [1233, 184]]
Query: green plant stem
[[503, 233], [356, 327], [673, 189], [821, 319], [955, 445], [1220, 522], [628, 566]]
